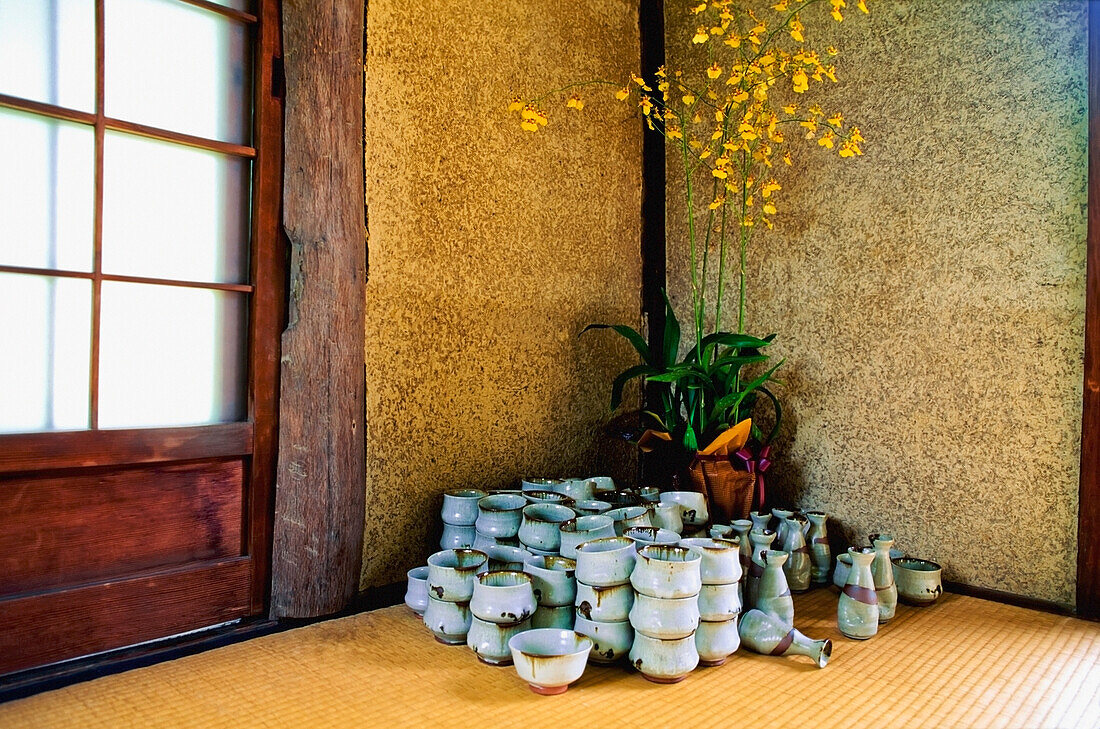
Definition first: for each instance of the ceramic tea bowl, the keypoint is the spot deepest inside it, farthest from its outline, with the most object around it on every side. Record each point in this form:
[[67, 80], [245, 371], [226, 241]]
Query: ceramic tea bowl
[[448, 621], [622, 497], [693, 506], [499, 515], [659, 617], [668, 572], [504, 598], [538, 484], [721, 559], [554, 579], [505, 558], [919, 581], [588, 507], [540, 528], [644, 535], [489, 641], [453, 572], [553, 617], [605, 604], [605, 562], [719, 602], [457, 537], [460, 506], [667, 516], [577, 489], [650, 494], [584, 529], [610, 640], [628, 516], [716, 641], [416, 593], [664, 661], [602, 483], [549, 659], [546, 497]]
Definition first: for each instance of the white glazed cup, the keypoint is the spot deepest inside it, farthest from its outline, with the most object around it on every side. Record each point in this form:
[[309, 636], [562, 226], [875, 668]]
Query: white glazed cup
[[721, 559], [605, 604], [667, 516], [719, 602], [554, 580], [553, 617], [504, 598], [499, 515], [546, 497], [659, 617], [538, 484], [416, 594], [460, 506], [628, 516], [644, 535], [549, 659], [589, 507], [664, 661], [577, 489], [584, 529], [668, 572], [540, 526], [606, 562], [716, 641], [457, 537], [611, 640], [693, 506], [489, 641], [448, 621], [453, 572], [504, 558], [603, 483]]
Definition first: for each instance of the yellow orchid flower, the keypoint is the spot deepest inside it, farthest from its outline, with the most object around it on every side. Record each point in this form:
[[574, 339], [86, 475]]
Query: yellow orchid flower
[[827, 140], [529, 125], [768, 188], [528, 113], [540, 117], [689, 99], [863, 6], [855, 136], [714, 71], [810, 124], [734, 41], [575, 102], [836, 120], [787, 159], [698, 8], [661, 72], [846, 150], [831, 50], [674, 133], [769, 208], [705, 153], [719, 173], [781, 7], [792, 109], [647, 104], [516, 104], [796, 30], [741, 97], [622, 93], [700, 36], [640, 81], [718, 202], [747, 132], [800, 81]]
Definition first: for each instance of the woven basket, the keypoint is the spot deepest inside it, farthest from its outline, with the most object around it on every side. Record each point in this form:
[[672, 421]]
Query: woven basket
[[728, 490]]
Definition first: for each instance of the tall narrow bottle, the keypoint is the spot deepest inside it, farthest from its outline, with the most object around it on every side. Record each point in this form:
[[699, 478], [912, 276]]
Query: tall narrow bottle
[[857, 611], [774, 595], [821, 556], [797, 566], [760, 540], [882, 570]]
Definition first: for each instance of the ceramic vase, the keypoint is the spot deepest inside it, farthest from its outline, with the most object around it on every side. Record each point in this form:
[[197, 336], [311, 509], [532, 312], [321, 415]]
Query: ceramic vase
[[821, 556], [759, 540], [761, 520], [774, 596], [797, 565], [882, 570], [765, 634], [781, 516], [857, 611]]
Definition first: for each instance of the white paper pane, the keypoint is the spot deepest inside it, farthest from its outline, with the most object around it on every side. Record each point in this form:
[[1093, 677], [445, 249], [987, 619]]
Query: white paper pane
[[171, 356], [47, 184], [174, 212], [176, 66], [47, 51], [46, 332]]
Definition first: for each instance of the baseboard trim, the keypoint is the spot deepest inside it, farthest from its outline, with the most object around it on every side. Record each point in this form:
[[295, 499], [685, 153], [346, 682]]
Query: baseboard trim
[[1008, 598]]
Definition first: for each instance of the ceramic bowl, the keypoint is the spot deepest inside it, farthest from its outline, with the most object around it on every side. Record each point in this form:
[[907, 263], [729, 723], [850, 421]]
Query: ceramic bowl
[[716, 641], [546, 497], [483, 542], [448, 621], [919, 581], [453, 572], [659, 617], [721, 559], [664, 661], [553, 578], [538, 484], [457, 537], [610, 640], [622, 497], [416, 594], [499, 515], [668, 572], [644, 535], [693, 506], [628, 516], [588, 507], [577, 489], [667, 516], [719, 602], [602, 483], [542, 552], [541, 524], [650, 494], [605, 604], [553, 617], [605, 562], [549, 659], [840, 574], [489, 641], [505, 558], [504, 598], [460, 506], [584, 529]]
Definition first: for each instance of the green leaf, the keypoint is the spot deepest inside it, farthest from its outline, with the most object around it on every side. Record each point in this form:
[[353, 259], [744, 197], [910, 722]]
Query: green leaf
[[734, 399], [624, 377], [671, 343], [690, 441], [778, 415], [656, 418], [630, 335], [727, 339]]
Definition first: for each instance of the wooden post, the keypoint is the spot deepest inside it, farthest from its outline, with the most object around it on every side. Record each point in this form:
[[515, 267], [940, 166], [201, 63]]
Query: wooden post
[[320, 494]]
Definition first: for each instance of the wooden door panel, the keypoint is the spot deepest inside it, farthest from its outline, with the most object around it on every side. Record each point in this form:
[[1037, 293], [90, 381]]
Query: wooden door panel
[[61, 624], [94, 524]]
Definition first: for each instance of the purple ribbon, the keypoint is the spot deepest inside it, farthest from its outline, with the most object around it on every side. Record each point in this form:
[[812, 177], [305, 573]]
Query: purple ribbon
[[756, 464]]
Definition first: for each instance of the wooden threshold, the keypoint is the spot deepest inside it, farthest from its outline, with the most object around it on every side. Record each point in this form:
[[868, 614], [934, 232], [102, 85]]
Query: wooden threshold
[[1009, 598]]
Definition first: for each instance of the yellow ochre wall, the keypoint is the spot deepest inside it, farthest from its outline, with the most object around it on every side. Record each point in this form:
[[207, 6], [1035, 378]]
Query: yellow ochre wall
[[929, 295], [490, 248]]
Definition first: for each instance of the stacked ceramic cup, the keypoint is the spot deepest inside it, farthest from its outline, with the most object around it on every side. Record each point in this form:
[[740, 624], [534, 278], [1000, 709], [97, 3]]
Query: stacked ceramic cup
[[665, 615], [540, 527], [502, 605], [716, 638], [452, 574], [459, 514], [605, 596], [555, 583], [498, 520]]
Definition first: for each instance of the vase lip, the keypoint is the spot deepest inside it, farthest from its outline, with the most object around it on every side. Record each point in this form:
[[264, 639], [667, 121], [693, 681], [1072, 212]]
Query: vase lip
[[825, 653], [861, 552], [884, 538], [773, 556], [814, 512], [762, 532], [796, 516]]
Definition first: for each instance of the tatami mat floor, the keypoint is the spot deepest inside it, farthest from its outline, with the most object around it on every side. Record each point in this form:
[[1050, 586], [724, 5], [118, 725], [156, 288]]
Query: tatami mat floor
[[961, 663]]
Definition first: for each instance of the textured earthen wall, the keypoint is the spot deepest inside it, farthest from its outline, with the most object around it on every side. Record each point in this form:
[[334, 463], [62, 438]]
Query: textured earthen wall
[[929, 295], [490, 249]]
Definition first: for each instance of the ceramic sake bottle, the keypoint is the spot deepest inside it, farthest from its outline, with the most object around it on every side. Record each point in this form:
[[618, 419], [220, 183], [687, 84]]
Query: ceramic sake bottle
[[857, 611], [774, 596], [797, 566], [761, 520], [781, 516], [741, 528], [759, 541], [882, 570], [765, 634], [821, 556]]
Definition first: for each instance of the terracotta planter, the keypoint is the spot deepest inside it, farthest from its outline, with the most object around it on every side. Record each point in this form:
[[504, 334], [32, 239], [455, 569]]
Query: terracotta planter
[[728, 490]]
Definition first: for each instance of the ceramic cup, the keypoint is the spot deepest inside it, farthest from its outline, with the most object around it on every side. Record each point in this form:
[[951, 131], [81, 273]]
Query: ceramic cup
[[546, 497], [650, 493], [489, 641], [605, 562], [721, 559], [499, 515], [668, 572], [504, 598], [460, 506], [622, 497], [664, 661], [482, 542], [448, 621], [667, 516], [540, 526], [542, 552], [588, 507], [605, 604], [416, 594], [453, 572], [549, 659], [577, 489], [457, 537], [659, 617], [693, 506], [538, 484], [716, 641], [602, 483], [553, 617], [505, 558], [628, 516], [919, 581], [644, 535], [553, 579], [719, 602], [584, 529], [611, 640]]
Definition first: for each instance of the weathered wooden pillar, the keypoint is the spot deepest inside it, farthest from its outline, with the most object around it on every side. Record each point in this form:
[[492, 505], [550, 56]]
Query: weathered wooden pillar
[[320, 494]]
